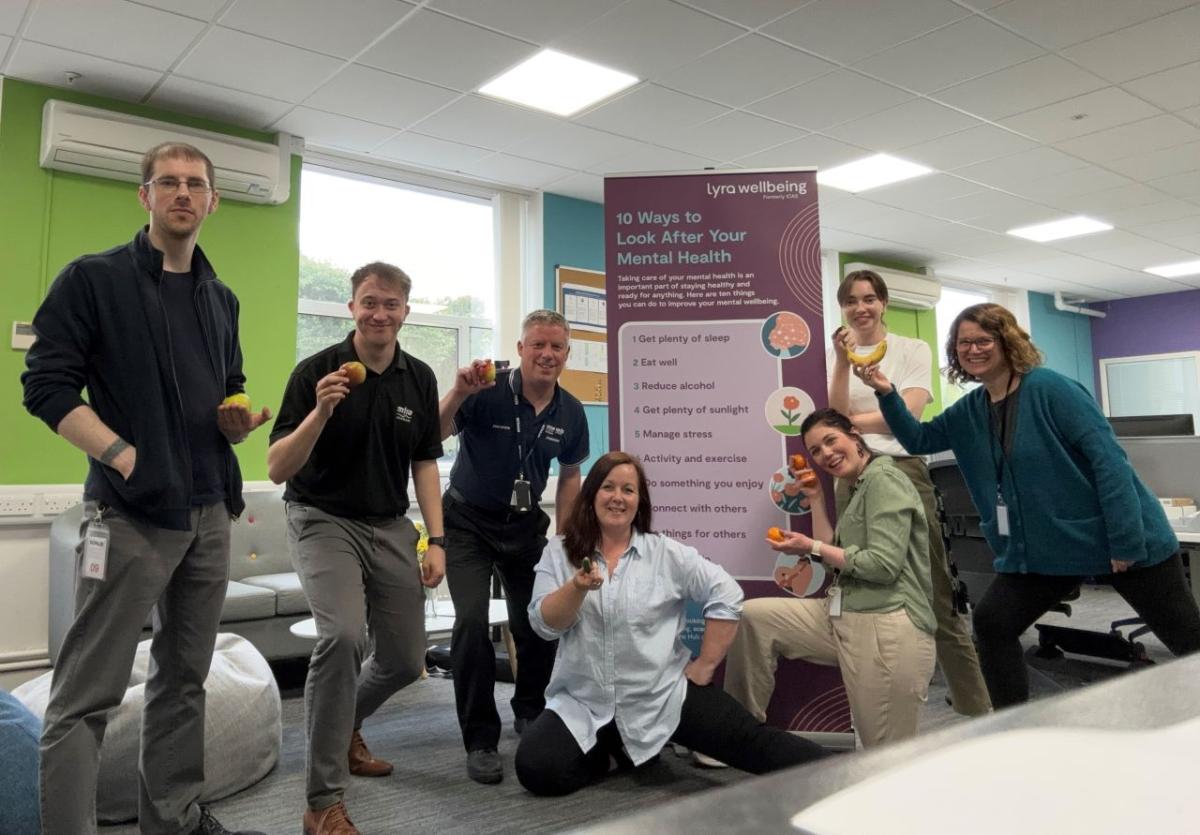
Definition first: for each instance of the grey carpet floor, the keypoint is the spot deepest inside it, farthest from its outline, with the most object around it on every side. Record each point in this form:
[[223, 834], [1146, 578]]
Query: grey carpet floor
[[429, 792]]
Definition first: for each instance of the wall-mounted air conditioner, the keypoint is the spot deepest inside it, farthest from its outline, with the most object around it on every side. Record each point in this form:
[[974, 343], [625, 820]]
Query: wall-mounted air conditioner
[[905, 289], [88, 140]]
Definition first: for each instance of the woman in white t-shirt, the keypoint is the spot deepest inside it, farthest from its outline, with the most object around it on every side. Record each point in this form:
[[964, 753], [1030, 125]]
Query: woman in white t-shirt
[[863, 297]]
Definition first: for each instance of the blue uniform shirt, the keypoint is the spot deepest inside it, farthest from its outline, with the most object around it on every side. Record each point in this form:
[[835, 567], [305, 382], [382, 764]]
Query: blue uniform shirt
[[488, 461]]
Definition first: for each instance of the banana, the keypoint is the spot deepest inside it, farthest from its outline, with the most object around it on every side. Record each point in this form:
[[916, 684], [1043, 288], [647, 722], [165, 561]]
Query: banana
[[868, 359]]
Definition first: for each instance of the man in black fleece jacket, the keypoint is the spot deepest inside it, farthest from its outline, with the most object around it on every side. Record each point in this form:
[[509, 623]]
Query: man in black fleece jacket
[[152, 334]]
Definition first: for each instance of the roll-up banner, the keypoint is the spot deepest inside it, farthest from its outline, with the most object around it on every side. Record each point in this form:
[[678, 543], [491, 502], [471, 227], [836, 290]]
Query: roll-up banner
[[716, 350]]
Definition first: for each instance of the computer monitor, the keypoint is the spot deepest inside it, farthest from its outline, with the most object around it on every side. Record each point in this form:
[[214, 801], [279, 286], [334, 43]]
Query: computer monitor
[[1142, 426]]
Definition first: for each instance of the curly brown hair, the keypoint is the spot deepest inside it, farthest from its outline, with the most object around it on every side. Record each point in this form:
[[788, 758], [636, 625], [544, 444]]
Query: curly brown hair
[[581, 531], [1019, 351]]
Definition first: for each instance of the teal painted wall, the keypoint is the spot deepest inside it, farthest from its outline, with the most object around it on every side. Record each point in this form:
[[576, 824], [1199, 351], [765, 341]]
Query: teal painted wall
[[48, 218], [573, 236], [1064, 338]]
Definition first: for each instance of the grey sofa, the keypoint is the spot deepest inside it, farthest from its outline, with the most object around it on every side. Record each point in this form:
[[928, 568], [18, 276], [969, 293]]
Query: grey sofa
[[264, 597]]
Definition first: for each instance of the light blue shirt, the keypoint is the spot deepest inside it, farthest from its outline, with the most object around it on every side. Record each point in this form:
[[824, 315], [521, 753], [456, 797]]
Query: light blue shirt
[[623, 656]]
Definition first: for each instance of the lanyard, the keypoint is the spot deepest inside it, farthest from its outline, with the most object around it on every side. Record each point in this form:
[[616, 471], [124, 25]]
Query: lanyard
[[999, 432], [522, 456]]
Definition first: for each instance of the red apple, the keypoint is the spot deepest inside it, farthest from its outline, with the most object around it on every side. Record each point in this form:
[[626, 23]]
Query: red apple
[[488, 371], [356, 373]]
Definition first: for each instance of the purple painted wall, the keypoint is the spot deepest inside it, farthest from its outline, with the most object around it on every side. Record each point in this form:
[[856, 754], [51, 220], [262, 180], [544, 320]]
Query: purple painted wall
[[1146, 325]]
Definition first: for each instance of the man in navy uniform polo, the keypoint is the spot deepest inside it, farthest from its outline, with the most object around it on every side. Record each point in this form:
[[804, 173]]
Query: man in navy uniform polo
[[509, 431]]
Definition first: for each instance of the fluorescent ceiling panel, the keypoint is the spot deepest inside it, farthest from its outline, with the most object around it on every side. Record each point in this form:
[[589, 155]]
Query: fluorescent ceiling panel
[[1175, 270], [1068, 227], [870, 172], [557, 83]]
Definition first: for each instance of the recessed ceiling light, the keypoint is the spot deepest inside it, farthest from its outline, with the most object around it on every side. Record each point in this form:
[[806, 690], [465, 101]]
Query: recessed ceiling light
[[1068, 227], [1175, 270], [557, 83], [870, 172]]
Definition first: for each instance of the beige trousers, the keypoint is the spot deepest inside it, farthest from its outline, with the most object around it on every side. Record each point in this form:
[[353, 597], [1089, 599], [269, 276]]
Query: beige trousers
[[886, 662]]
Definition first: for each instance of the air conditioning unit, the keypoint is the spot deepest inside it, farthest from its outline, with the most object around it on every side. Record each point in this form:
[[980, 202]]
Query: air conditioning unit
[[88, 140], [905, 289]]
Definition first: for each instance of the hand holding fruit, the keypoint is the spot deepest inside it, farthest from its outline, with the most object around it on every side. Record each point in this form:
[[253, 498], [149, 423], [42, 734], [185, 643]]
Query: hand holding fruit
[[790, 542], [844, 343], [479, 375], [810, 483], [332, 390], [235, 418], [874, 377], [356, 373], [587, 578]]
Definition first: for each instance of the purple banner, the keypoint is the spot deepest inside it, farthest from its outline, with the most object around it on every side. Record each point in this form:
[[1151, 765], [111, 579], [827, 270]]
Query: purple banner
[[716, 355]]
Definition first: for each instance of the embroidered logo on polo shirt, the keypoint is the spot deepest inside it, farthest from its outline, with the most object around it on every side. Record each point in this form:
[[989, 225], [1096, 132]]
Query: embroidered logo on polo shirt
[[404, 413]]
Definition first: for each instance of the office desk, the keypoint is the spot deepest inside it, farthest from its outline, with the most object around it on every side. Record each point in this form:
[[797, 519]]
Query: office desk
[[1151, 698]]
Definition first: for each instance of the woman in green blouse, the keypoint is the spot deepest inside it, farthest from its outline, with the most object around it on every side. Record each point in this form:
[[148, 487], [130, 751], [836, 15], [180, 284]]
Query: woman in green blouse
[[877, 622]]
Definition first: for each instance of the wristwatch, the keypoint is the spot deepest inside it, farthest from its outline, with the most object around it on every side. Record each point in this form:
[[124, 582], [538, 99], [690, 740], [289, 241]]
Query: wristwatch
[[437, 540], [815, 553]]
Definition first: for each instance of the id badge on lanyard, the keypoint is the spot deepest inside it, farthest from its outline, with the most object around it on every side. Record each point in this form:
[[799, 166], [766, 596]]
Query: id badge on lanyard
[[94, 565], [1001, 515]]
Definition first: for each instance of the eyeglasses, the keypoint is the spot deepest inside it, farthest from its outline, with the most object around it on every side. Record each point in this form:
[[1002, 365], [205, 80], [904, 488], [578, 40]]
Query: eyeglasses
[[983, 343], [169, 185]]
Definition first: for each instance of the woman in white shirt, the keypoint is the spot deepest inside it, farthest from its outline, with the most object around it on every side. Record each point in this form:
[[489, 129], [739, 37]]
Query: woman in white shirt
[[863, 297], [614, 594]]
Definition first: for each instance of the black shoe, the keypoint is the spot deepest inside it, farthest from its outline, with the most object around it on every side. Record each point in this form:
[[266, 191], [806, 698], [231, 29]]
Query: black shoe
[[484, 766], [209, 825], [520, 723]]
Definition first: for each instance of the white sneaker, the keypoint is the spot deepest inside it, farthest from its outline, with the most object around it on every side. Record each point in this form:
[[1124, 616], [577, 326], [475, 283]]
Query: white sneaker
[[705, 761]]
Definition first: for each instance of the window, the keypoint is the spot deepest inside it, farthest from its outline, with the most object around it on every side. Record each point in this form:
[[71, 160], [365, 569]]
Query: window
[[443, 240], [1156, 384], [953, 301]]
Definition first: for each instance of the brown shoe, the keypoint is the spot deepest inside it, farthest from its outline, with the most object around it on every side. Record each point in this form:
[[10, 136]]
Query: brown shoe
[[332, 820], [362, 764]]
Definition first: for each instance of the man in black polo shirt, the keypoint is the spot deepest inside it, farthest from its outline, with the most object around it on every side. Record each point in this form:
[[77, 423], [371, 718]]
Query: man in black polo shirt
[[345, 449], [509, 431]]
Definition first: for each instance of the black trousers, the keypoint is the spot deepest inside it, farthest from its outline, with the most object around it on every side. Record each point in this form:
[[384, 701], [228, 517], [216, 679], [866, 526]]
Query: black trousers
[[550, 762], [478, 543], [1158, 593]]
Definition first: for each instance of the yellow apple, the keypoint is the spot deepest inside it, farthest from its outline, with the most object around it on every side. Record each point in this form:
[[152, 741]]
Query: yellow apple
[[489, 371], [356, 372], [240, 399]]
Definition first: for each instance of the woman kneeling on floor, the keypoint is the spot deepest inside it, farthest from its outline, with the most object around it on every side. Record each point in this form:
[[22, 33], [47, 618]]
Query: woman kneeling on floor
[[613, 593], [877, 623]]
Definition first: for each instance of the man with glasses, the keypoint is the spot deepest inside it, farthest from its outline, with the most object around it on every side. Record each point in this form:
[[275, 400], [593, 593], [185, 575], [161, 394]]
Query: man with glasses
[[152, 334], [356, 418]]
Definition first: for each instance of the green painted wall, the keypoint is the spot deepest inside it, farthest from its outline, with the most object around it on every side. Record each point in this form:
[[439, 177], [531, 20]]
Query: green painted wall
[[48, 218], [919, 324]]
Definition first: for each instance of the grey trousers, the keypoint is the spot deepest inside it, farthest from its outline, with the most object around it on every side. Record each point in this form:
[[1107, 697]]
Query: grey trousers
[[355, 574], [182, 576]]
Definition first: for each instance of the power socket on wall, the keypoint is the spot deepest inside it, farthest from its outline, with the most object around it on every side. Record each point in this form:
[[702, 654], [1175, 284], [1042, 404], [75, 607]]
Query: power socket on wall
[[17, 504]]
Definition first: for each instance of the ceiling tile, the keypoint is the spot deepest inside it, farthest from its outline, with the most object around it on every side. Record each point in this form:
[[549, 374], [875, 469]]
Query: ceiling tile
[[1175, 232], [966, 147], [1104, 108], [1173, 89], [47, 64], [1144, 254], [1091, 244], [846, 30], [1136, 138], [963, 50], [329, 130], [830, 100], [753, 13], [1032, 84], [734, 135], [377, 96], [1055, 189], [649, 37], [651, 113], [1160, 163], [433, 47], [919, 120], [316, 24], [571, 145], [746, 70], [999, 208], [1142, 284], [265, 68], [1017, 169], [1058, 23], [1141, 215], [430, 151], [465, 120], [510, 170], [11, 14], [580, 186], [923, 193], [1108, 202], [113, 29], [219, 103], [200, 9], [1186, 185], [1145, 48], [539, 21], [1192, 114], [814, 150], [651, 158]]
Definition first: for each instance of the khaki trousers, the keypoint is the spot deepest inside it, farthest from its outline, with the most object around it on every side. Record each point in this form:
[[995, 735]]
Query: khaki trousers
[[955, 649], [886, 662]]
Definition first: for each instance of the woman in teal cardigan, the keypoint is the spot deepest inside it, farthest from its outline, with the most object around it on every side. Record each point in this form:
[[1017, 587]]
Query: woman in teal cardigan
[[1057, 498]]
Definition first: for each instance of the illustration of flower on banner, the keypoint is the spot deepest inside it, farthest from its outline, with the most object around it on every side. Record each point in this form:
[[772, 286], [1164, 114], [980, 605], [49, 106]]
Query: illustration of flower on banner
[[791, 404]]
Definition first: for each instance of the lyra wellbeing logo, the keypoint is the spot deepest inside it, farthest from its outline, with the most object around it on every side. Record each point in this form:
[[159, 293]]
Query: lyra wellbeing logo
[[404, 413]]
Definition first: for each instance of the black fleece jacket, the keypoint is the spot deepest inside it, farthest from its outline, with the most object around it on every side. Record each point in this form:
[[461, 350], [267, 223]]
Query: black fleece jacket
[[103, 327]]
